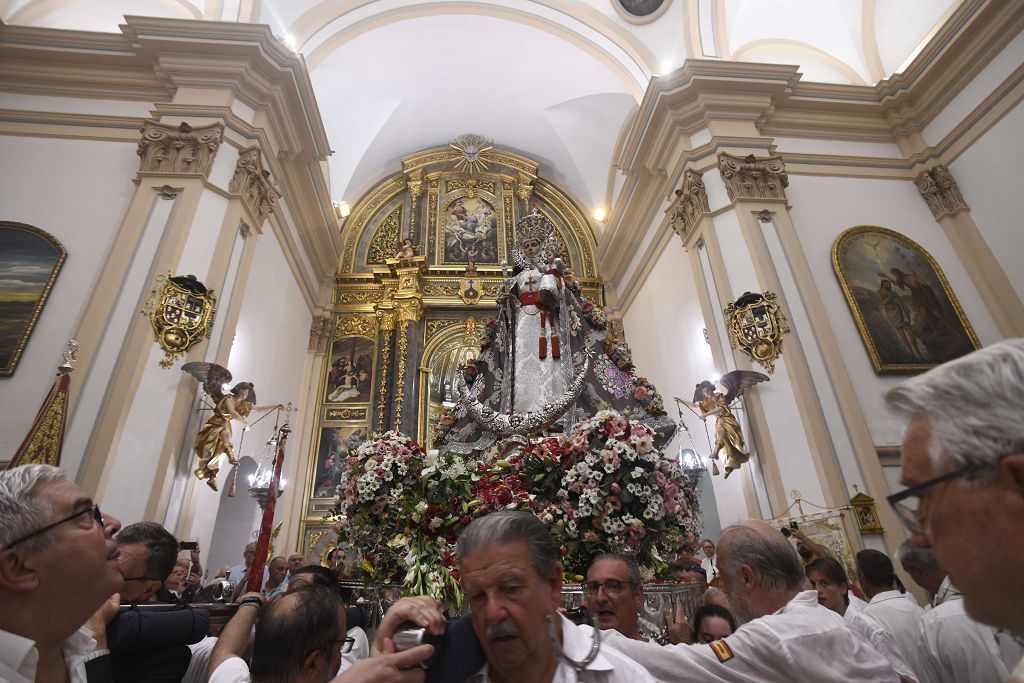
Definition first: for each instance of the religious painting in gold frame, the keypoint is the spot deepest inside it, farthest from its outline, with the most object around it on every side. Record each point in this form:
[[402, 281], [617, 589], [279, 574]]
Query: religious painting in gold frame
[[30, 260], [908, 316], [470, 231], [350, 372]]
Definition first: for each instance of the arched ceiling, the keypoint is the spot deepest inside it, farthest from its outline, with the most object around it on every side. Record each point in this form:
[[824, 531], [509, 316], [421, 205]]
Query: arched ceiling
[[554, 79]]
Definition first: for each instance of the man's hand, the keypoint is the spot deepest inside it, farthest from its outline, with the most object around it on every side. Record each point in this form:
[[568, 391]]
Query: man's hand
[[192, 581], [194, 555], [97, 623], [420, 610], [390, 667], [677, 625], [797, 534]]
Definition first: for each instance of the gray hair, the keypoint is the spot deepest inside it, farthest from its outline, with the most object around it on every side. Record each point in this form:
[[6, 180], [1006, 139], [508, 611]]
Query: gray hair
[[507, 526], [911, 555], [973, 405], [632, 569], [774, 559], [21, 508], [709, 592]]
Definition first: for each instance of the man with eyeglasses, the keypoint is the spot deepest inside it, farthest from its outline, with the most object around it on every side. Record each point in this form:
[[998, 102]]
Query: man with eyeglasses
[[613, 594], [963, 465], [58, 566]]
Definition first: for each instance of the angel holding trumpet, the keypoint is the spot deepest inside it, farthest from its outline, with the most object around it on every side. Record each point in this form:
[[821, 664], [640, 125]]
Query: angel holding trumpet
[[213, 440], [712, 403]]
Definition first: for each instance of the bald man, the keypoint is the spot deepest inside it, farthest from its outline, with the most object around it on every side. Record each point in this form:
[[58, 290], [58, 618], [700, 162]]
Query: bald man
[[786, 635]]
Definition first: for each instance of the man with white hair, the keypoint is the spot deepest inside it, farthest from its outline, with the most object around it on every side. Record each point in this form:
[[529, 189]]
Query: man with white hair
[[963, 465], [787, 636], [58, 565]]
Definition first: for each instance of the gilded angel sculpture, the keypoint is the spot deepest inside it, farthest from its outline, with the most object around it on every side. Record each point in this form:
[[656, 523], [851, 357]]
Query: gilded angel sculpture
[[213, 440], [728, 435]]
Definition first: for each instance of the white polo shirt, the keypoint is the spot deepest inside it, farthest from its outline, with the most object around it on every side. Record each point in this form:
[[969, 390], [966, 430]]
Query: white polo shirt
[[609, 666], [881, 639], [710, 566], [19, 658], [802, 642], [899, 614]]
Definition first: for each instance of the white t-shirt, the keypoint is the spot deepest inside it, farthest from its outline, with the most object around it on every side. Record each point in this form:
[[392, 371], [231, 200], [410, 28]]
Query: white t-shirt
[[609, 666], [802, 642], [899, 615], [881, 639], [710, 567], [231, 670]]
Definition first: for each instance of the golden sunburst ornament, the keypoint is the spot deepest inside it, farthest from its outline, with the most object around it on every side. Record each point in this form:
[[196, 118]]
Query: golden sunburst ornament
[[472, 147]]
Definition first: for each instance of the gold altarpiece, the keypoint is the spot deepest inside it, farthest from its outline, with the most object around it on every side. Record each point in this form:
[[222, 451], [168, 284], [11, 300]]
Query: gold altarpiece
[[401, 324]]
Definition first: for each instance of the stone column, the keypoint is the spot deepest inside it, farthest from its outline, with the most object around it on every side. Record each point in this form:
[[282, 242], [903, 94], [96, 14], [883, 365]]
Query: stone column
[[947, 204]]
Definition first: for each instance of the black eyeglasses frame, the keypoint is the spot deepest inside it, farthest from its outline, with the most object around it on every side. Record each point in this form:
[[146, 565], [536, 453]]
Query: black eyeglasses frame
[[96, 515]]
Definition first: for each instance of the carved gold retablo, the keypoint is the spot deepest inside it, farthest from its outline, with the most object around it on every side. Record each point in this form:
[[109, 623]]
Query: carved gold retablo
[[756, 325], [470, 285], [183, 316]]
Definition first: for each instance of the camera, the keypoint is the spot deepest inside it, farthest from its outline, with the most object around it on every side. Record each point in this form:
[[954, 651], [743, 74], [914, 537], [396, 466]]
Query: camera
[[187, 545], [787, 532], [409, 635]]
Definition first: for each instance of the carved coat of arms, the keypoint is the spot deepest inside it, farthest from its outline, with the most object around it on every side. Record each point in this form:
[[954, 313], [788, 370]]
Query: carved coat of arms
[[756, 325], [470, 285], [183, 316]]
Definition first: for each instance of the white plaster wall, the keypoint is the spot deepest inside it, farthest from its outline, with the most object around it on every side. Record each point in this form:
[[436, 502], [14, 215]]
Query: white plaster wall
[[78, 191], [990, 176], [822, 208], [664, 327], [269, 349]]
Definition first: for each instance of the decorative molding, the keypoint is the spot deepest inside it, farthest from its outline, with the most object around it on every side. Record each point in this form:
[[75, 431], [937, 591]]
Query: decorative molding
[[403, 352], [890, 455], [243, 229], [690, 204], [471, 185], [524, 187], [350, 414], [940, 191], [435, 326], [180, 149], [362, 296], [356, 326], [320, 334], [252, 181], [167, 193], [385, 239], [752, 177]]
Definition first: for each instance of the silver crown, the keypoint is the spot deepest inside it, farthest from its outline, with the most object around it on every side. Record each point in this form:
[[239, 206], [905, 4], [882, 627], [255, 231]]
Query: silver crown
[[535, 226]]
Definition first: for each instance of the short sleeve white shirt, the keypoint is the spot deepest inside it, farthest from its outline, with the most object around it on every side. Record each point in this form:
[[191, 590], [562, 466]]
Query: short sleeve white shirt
[[899, 615], [710, 567], [803, 641], [956, 648], [231, 670], [360, 648], [609, 666], [19, 658]]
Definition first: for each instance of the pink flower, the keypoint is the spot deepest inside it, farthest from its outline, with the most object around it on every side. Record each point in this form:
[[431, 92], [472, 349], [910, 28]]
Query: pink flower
[[597, 524], [637, 430], [660, 478], [610, 458], [614, 503], [579, 443], [615, 487], [377, 508], [617, 425], [635, 533], [590, 536]]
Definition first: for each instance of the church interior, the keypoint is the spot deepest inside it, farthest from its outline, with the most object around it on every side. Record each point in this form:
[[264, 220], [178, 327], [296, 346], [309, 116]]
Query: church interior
[[821, 192]]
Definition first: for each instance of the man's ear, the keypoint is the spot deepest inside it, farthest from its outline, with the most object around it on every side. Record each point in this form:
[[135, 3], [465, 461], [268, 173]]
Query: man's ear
[[747, 575], [554, 584], [152, 586], [18, 570], [312, 662]]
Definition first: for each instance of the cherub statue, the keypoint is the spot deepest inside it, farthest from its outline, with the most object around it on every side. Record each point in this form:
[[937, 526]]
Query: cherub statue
[[406, 253], [728, 436], [213, 439]]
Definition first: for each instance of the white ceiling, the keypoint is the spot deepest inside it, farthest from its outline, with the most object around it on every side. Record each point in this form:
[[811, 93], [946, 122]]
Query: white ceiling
[[553, 79]]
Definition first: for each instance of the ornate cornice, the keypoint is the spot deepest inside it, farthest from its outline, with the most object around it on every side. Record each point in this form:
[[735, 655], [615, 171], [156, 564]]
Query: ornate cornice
[[180, 149], [940, 191], [690, 204], [753, 177], [357, 325], [252, 181]]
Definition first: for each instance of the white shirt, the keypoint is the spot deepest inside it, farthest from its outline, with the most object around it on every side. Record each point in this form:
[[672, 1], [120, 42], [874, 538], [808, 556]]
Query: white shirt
[[956, 648], [802, 642], [882, 640], [899, 615], [1018, 673], [231, 670], [609, 666], [947, 591], [710, 567], [200, 662], [19, 658], [360, 648]]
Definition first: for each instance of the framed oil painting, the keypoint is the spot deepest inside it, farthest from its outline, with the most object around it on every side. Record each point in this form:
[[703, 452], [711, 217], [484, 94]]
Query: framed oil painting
[[30, 260], [350, 375], [335, 442], [470, 231], [908, 317]]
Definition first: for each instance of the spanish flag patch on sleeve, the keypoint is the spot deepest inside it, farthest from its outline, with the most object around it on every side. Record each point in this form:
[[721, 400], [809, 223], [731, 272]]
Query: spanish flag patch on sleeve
[[721, 650]]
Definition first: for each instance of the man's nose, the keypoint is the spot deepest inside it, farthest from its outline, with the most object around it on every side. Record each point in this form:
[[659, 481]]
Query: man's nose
[[111, 525]]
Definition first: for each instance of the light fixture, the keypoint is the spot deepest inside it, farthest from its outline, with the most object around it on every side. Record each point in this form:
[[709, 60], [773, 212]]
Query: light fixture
[[341, 209], [290, 41], [600, 213], [666, 67], [260, 480], [690, 461]]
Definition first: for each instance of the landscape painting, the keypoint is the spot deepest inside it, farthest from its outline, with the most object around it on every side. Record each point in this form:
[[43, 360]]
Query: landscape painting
[[908, 317], [30, 260]]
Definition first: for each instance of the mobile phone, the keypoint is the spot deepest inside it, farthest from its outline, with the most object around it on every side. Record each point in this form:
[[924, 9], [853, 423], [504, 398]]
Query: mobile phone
[[794, 525], [785, 532], [188, 545]]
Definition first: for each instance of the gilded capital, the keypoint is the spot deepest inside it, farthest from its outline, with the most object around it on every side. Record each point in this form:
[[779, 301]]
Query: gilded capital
[[180, 149], [690, 204], [524, 187], [940, 191], [753, 177], [415, 183], [252, 182]]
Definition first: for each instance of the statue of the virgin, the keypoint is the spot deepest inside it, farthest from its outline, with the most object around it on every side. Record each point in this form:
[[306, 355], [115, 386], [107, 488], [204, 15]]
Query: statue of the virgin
[[546, 360]]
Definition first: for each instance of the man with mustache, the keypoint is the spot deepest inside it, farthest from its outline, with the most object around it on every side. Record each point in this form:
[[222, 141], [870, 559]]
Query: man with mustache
[[614, 594], [786, 635], [513, 585]]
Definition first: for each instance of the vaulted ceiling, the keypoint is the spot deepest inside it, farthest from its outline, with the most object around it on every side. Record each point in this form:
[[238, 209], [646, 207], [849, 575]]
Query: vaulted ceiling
[[556, 80]]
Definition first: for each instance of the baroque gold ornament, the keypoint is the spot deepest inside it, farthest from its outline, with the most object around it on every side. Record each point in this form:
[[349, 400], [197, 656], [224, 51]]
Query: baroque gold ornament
[[183, 316], [756, 325]]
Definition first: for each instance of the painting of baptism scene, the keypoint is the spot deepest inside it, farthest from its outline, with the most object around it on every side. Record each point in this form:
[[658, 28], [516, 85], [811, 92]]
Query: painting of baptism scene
[[499, 341]]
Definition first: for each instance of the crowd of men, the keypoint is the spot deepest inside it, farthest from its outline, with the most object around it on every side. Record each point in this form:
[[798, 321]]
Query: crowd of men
[[779, 607]]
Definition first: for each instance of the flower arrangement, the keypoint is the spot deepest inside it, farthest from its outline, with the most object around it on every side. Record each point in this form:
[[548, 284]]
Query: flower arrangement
[[602, 487]]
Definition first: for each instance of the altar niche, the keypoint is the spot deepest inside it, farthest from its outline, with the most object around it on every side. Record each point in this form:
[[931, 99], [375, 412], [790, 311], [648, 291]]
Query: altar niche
[[401, 324]]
